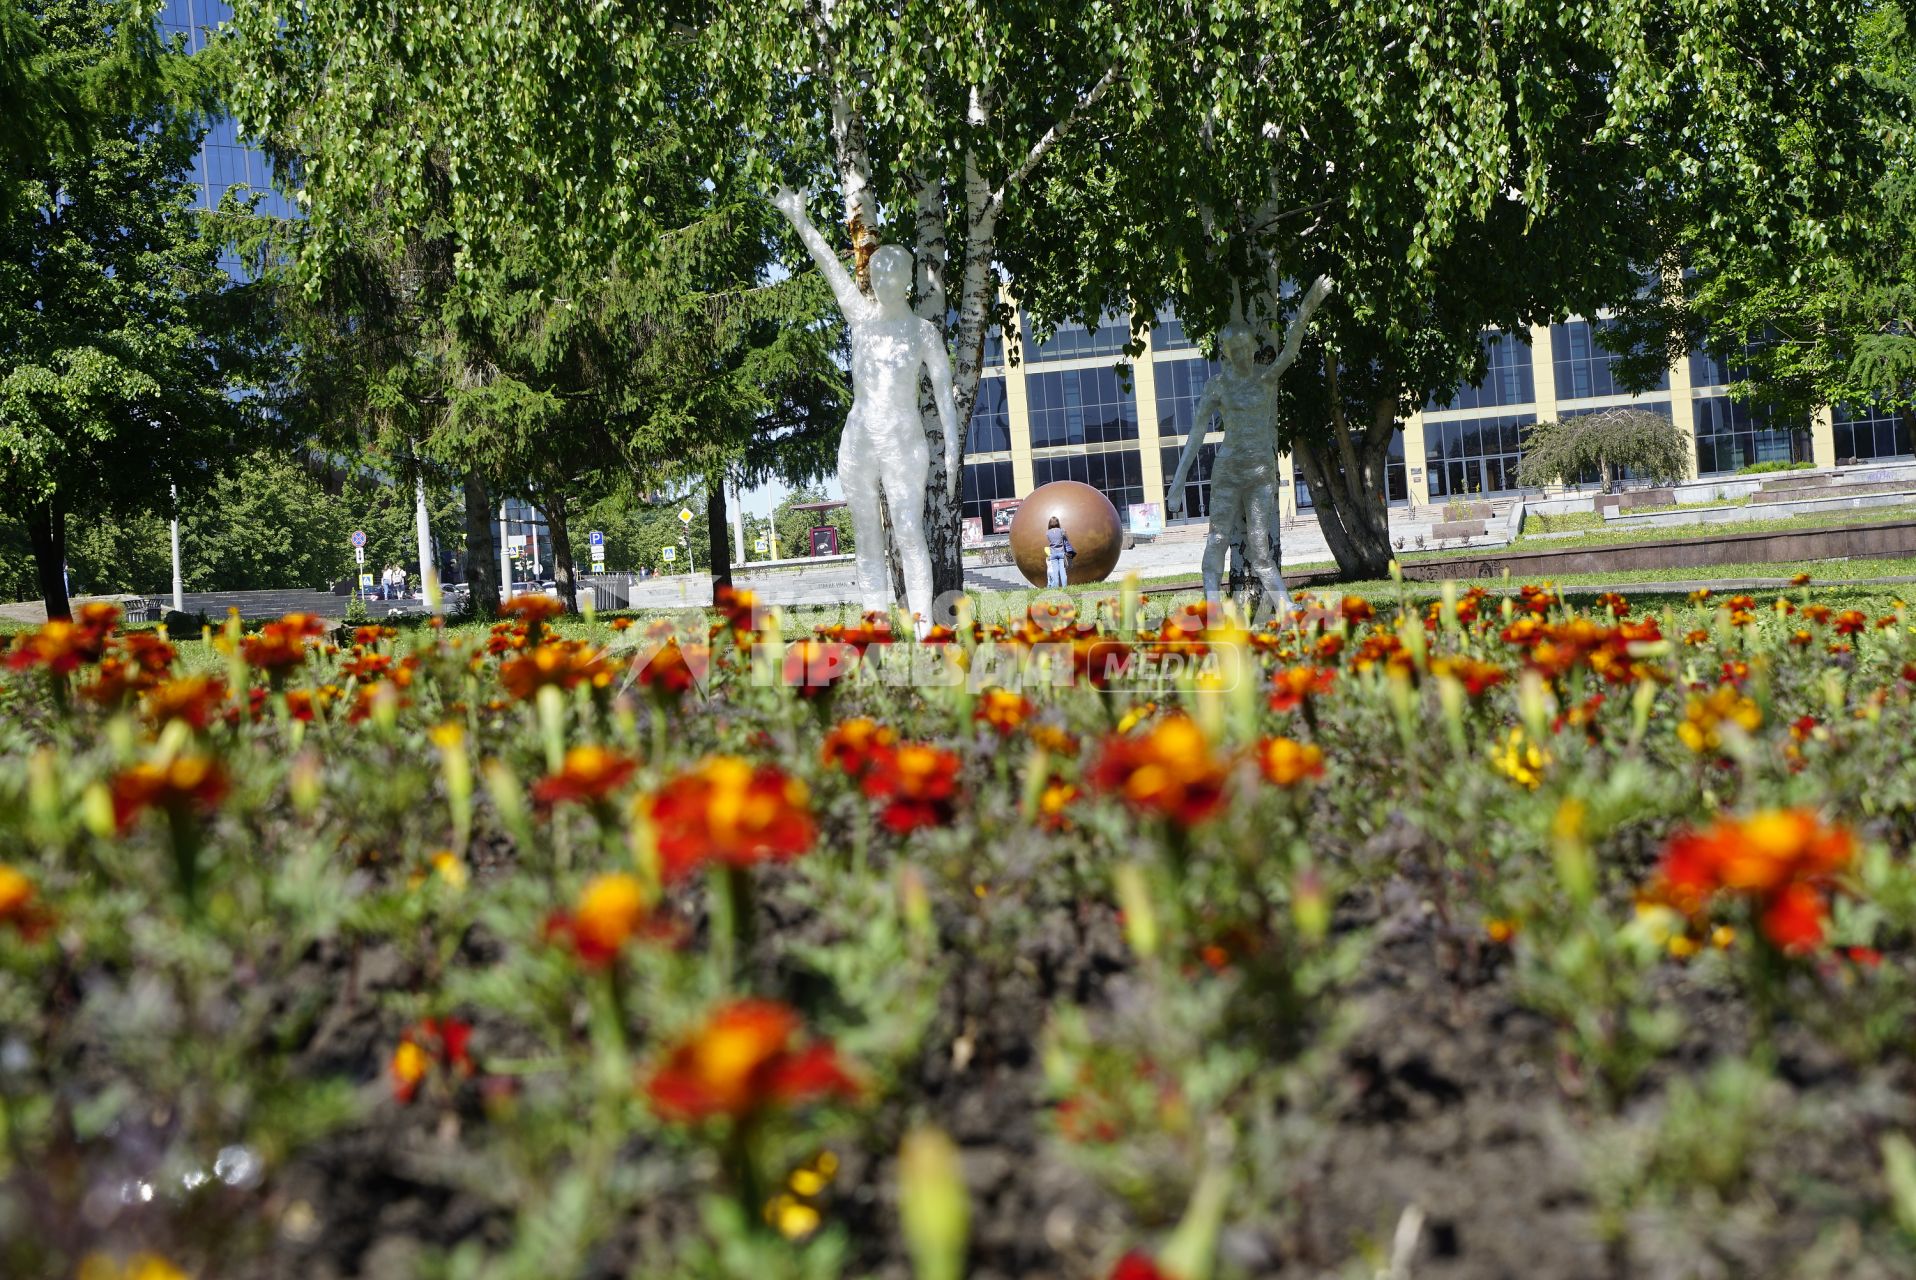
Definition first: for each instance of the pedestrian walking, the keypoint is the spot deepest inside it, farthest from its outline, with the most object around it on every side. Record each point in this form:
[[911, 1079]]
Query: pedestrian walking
[[1058, 554]]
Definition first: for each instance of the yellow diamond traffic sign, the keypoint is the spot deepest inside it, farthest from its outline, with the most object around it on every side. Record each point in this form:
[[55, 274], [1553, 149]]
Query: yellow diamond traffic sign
[[685, 515]]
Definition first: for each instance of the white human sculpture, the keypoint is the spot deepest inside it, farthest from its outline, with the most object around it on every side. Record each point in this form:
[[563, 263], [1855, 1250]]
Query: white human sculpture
[[1243, 396], [884, 447]]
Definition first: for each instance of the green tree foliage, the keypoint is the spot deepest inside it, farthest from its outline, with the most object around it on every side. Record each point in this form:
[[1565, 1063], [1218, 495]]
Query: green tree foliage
[[1607, 444], [1823, 312], [126, 350], [1452, 168]]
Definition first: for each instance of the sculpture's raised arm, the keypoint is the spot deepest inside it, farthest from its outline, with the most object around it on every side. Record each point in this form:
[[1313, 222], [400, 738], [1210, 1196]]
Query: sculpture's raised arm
[[851, 300], [1294, 335]]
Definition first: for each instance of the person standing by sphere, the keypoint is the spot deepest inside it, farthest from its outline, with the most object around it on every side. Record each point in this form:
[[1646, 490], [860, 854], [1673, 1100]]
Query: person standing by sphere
[[1058, 554]]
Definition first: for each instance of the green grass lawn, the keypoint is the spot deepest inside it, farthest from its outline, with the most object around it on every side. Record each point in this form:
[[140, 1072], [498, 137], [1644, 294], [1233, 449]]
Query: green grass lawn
[[1600, 535]]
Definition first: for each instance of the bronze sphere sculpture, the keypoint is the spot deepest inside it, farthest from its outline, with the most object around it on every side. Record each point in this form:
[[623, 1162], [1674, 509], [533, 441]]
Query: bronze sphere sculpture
[[1089, 520]]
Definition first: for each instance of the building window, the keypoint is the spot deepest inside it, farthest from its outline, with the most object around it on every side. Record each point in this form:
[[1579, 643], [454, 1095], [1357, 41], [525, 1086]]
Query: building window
[[1117, 475], [1508, 377], [1180, 383], [990, 430], [1197, 481], [1074, 341], [1731, 435], [985, 482], [1474, 455], [1080, 406], [1167, 332], [1583, 364], [994, 347], [1872, 433]]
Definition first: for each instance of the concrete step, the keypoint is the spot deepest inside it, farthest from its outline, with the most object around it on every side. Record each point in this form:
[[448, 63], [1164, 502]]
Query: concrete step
[[1766, 495]]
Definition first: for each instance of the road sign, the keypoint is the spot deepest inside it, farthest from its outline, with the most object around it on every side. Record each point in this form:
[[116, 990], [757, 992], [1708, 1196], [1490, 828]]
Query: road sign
[[516, 541], [365, 580], [359, 537], [359, 554], [761, 546], [596, 539], [685, 515], [668, 554]]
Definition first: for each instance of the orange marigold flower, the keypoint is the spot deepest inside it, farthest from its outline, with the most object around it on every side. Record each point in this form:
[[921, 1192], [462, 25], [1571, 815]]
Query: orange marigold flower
[[1800, 580], [1169, 771], [918, 783], [852, 745], [1614, 603], [64, 645], [743, 1060], [871, 629], [1054, 805], [1003, 709], [1851, 621], [726, 810], [532, 608], [562, 663], [1780, 860], [184, 785], [281, 646], [610, 912], [1287, 762], [1296, 686], [1098, 660], [429, 1042], [740, 610], [1060, 741], [366, 636], [198, 700], [1356, 610], [1696, 637], [20, 907], [589, 774]]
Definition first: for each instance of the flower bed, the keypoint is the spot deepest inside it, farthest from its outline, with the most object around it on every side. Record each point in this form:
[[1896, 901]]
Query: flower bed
[[1466, 939]]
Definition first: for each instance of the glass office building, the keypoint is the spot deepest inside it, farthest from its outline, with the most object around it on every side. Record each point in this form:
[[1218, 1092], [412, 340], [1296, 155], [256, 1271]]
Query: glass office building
[[1078, 408], [223, 161]]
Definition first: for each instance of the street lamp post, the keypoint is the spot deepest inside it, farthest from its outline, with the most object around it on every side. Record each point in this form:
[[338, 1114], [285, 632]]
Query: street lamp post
[[179, 581]]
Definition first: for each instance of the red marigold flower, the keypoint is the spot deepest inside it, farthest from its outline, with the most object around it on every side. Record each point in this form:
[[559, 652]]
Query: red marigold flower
[[1003, 709], [610, 912], [1614, 603], [852, 745], [1139, 1266], [1356, 610], [563, 663], [1287, 762], [366, 636], [1851, 621], [1294, 686], [1477, 677], [814, 667], [726, 810], [674, 668], [918, 783], [184, 785], [1800, 580], [1098, 660], [1865, 957], [1779, 859], [1167, 772], [743, 1061], [588, 775]]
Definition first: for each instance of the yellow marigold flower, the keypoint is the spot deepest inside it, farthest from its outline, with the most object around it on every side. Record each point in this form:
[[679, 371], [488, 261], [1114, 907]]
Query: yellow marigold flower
[[1520, 760], [1706, 714]]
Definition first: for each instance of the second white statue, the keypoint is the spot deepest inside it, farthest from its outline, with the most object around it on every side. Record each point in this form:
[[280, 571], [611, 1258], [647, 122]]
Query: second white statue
[[884, 449]]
